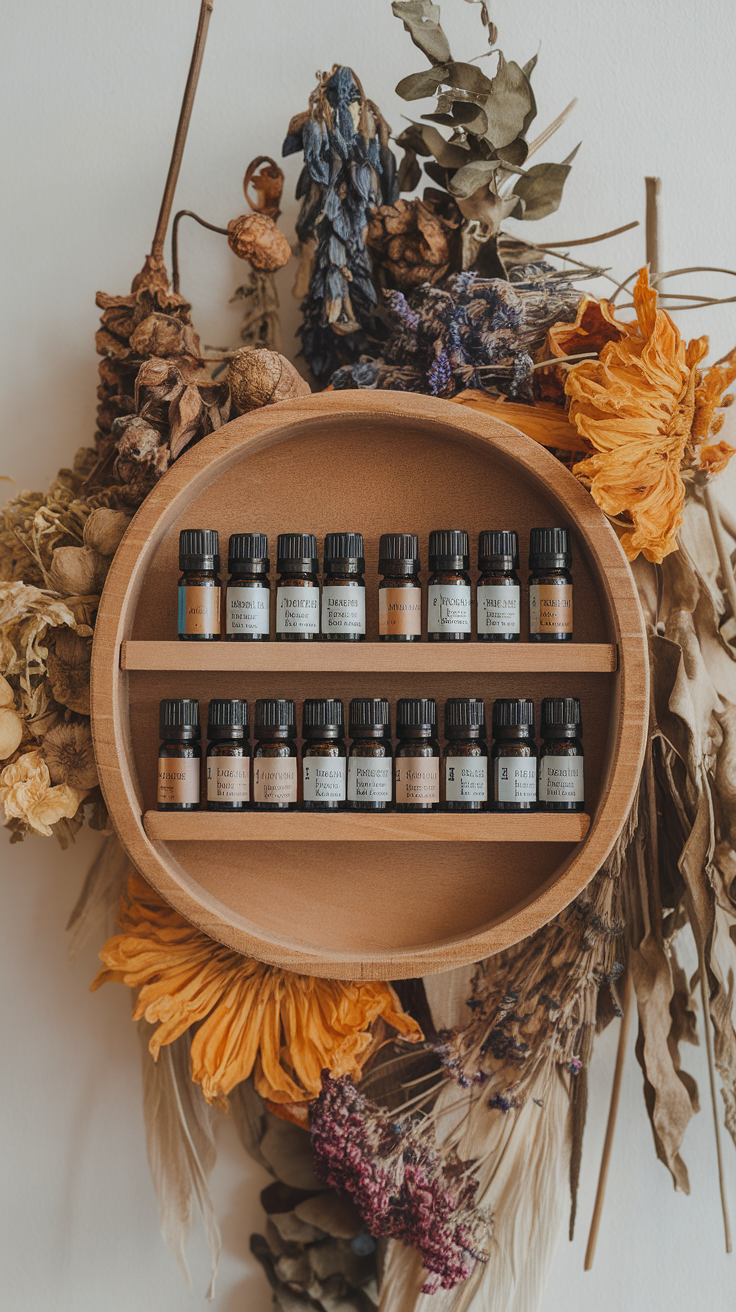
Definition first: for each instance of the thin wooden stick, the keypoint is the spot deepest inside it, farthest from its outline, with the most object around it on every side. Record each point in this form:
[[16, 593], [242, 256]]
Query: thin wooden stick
[[719, 537], [714, 1099], [653, 186], [611, 1123], [177, 154]]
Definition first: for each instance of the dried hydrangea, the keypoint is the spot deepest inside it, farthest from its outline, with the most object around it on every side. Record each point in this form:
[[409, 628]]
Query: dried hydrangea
[[27, 794], [402, 1184]]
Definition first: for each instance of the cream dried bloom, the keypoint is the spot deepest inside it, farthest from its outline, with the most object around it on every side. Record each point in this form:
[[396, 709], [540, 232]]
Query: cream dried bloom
[[27, 793]]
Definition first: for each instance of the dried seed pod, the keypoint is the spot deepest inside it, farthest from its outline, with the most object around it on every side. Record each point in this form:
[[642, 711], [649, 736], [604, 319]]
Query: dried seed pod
[[7, 696], [162, 335], [261, 377], [255, 237], [11, 732], [104, 530], [68, 667], [67, 750], [77, 571]]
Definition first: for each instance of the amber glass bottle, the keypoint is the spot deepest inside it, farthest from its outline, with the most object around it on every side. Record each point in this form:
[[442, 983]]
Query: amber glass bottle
[[465, 755], [274, 756], [448, 592], [297, 588], [514, 755], [370, 763], [343, 588], [498, 593], [561, 773], [417, 759], [400, 591], [227, 762], [324, 764], [248, 595], [179, 756], [550, 585], [199, 586]]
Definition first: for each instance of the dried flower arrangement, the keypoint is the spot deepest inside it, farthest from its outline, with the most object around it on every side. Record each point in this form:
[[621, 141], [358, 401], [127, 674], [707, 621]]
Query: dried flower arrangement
[[419, 1116]]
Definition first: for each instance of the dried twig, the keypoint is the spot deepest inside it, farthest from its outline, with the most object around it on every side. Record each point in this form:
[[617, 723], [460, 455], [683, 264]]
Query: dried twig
[[611, 1122]]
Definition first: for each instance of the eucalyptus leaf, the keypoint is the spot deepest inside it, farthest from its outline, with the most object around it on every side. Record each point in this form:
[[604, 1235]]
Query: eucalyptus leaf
[[468, 77], [417, 86], [509, 106], [540, 191], [529, 67], [421, 20], [569, 158], [472, 117], [447, 155], [446, 120], [515, 153], [411, 139], [471, 177]]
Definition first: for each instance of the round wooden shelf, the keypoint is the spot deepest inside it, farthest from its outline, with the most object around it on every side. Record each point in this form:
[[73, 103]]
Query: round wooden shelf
[[361, 897]]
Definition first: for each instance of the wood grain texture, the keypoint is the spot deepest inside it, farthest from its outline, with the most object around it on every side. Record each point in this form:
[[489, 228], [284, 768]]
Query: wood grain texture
[[373, 657], [373, 462], [350, 827]]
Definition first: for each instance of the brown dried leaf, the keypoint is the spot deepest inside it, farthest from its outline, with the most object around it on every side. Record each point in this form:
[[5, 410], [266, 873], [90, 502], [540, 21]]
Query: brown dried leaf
[[184, 415]]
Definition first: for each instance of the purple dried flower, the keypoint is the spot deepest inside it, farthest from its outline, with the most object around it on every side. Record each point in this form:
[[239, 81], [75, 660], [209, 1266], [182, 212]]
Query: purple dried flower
[[402, 1185]]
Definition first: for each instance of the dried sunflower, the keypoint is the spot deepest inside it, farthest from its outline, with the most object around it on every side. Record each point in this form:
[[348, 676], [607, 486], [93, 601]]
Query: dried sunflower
[[287, 1028]]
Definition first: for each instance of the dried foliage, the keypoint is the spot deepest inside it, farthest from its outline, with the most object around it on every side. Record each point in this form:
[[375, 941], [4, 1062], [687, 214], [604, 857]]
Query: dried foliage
[[415, 241]]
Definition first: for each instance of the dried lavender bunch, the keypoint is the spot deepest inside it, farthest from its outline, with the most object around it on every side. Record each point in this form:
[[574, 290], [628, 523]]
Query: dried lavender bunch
[[348, 170], [403, 1186]]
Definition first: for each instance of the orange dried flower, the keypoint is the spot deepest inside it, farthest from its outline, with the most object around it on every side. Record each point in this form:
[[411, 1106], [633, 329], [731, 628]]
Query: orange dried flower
[[286, 1028]]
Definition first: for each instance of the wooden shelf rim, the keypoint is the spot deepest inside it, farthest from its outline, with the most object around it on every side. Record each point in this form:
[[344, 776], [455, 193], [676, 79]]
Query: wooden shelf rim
[[358, 826]]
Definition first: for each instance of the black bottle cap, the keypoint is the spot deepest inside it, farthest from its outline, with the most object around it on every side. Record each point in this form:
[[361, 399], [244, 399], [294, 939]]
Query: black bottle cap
[[296, 553], [369, 713], [247, 553], [398, 553], [322, 717], [549, 548], [449, 549], [561, 717], [227, 714], [274, 715], [199, 548], [465, 713], [178, 717], [344, 551], [416, 713], [513, 713], [498, 548]]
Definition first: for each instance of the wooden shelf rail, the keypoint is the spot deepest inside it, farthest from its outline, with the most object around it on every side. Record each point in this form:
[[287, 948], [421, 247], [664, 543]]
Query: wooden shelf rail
[[355, 826]]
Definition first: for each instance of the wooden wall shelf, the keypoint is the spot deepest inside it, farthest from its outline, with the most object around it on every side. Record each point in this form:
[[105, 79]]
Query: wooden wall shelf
[[373, 657], [352, 896], [357, 827]]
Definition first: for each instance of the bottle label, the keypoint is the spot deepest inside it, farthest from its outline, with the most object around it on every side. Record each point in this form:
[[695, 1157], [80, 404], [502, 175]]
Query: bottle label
[[178, 781], [448, 608], [274, 779], [499, 608], [199, 609], [417, 779], [550, 608], [228, 779], [323, 778], [369, 779], [247, 609], [561, 779], [466, 778], [400, 611], [297, 609], [343, 610], [515, 778]]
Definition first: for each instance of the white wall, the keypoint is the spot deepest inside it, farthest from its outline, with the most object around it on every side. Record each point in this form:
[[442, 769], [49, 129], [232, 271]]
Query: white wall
[[90, 96]]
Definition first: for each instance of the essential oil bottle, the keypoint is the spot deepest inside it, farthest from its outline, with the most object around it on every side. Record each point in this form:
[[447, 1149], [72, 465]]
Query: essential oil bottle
[[465, 755], [400, 591], [417, 759], [179, 755], [324, 763], [514, 755], [499, 592], [370, 763], [248, 594], [227, 764], [343, 588], [449, 592], [274, 756], [297, 588], [200, 596], [561, 774], [550, 585]]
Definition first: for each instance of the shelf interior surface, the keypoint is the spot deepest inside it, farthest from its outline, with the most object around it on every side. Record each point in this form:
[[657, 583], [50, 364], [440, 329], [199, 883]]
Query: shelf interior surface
[[356, 826]]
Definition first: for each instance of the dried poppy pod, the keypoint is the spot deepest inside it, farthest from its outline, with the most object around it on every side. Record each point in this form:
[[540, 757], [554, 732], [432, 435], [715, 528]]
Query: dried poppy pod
[[256, 238], [262, 377]]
